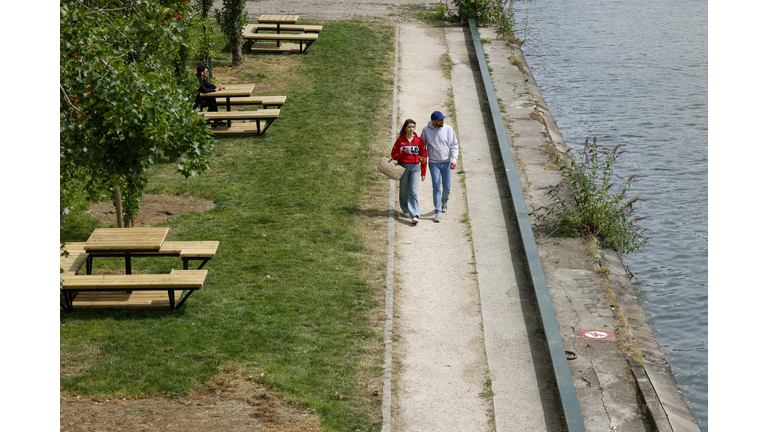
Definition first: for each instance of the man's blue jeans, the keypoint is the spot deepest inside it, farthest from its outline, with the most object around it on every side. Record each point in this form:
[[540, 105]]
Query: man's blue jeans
[[441, 173], [409, 189]]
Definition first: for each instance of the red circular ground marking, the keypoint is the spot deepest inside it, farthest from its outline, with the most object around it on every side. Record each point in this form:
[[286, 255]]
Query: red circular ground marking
[[596, 334]]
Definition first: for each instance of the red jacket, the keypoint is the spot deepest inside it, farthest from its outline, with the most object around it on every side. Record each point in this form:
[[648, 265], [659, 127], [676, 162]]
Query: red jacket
[[401, 151]]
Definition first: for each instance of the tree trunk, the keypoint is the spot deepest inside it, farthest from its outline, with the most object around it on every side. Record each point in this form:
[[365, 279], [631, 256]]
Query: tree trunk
[[129, 219], [118, 207], [237, 55]]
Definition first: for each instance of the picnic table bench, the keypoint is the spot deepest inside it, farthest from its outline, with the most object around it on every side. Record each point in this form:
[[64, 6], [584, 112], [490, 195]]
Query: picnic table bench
[[255, 28], [75, 258], [304, 41], [265, 101], [131, 291], [187, 250], [255, 122]]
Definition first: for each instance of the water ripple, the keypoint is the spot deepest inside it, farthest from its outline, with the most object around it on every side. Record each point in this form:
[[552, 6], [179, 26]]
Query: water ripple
[[636, 73]]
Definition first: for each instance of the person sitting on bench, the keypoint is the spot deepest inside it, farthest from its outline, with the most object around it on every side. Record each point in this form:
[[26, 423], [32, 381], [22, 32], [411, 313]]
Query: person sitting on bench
[[207, 87]]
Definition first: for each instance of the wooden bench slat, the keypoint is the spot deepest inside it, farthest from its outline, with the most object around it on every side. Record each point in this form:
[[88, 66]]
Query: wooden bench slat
[[254, 100], [189, 272], [72, 264], [201, 249], [251, 28], [74, 245], [123, 300], [270, 48], [77, 256], [242, 115], [305, 37], [247, 128], [182, 248], [182, 279]]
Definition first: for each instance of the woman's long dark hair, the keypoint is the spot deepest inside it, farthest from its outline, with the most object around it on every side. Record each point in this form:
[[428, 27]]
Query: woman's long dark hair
[[405, 125]]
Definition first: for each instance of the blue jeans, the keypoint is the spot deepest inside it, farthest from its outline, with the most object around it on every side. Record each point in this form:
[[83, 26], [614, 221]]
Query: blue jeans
[[441, 173], [409, 189]]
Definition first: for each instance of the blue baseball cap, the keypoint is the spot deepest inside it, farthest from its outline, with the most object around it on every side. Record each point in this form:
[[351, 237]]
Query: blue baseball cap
[[437, 115]]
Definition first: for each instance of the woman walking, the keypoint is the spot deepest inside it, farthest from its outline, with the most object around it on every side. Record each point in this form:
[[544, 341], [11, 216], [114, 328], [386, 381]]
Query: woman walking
[[409, 151]]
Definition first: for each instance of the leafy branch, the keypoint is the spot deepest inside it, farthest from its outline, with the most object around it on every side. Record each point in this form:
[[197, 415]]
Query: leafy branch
[[125, 98]]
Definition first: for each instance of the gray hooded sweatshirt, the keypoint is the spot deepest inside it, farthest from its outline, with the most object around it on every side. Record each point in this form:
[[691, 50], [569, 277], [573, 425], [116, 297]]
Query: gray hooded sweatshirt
[[442, 145]]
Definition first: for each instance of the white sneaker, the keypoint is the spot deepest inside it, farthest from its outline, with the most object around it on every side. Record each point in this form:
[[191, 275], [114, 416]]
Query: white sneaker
[[407, 215], [438, 217], [445, 207], [415, 220]]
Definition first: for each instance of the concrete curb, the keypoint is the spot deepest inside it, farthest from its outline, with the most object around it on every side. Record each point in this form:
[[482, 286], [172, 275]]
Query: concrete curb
[[649, 397], [386, 396]]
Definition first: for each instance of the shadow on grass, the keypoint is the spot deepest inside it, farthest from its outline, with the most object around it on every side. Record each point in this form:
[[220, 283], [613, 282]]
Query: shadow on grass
[[99, 314]]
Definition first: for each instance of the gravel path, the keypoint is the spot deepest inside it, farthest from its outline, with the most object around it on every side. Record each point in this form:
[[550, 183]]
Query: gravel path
[[438, 322], [331, 9]]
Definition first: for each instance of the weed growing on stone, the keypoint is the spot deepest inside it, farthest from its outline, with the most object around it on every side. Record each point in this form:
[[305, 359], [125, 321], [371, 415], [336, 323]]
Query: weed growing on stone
[[498, 13], [487, 392], [593, 201]]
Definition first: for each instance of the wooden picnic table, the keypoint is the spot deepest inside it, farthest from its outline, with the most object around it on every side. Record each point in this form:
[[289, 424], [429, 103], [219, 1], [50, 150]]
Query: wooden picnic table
[[108, 241], [118, 290], [229, 91], [278, 20]]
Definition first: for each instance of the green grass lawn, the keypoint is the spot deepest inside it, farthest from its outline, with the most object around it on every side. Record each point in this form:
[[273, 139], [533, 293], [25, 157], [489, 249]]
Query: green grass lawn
[[295, 289]]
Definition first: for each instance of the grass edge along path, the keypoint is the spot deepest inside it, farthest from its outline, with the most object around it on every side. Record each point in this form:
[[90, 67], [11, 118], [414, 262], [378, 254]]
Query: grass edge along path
[[294, 293]]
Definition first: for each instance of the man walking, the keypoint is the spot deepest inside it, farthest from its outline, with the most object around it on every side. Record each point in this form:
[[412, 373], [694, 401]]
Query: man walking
[[442, 152]]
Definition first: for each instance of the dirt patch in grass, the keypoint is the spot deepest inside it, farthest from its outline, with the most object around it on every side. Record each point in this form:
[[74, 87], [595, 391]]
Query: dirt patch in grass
[[232, 401], [154, 208], [270, 73]]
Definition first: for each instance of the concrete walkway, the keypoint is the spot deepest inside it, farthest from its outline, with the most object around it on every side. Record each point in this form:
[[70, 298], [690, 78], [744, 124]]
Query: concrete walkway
[[517, 360], [437, 323]]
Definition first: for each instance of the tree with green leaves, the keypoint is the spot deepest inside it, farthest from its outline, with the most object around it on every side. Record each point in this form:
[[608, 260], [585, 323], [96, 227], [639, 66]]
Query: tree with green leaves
[[232, 18], [126, 97], [206, 38]]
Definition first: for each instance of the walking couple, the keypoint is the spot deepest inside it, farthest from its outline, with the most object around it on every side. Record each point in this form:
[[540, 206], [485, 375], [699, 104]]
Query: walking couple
[[439, 146]]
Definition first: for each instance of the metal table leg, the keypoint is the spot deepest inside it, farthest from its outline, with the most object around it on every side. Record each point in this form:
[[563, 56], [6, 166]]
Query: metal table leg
[[128, 266]]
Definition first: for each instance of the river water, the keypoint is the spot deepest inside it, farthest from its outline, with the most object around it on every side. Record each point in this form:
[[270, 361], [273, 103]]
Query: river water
[[636, 73]]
